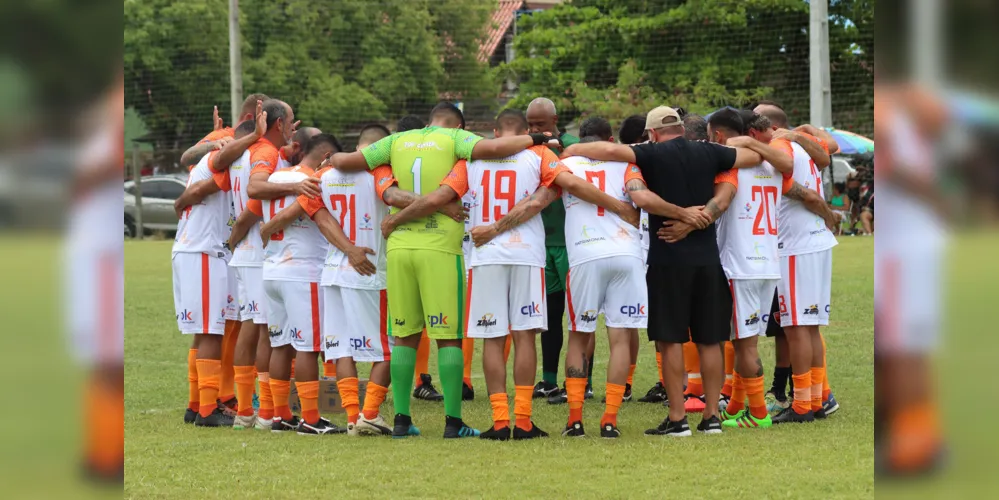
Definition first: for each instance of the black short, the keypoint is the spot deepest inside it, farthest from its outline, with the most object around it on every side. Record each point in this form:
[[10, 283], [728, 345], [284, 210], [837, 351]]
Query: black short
[[689, 298], [773, 322]]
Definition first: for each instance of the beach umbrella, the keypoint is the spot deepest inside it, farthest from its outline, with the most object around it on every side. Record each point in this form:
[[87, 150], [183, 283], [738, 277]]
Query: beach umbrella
[[850, 143]]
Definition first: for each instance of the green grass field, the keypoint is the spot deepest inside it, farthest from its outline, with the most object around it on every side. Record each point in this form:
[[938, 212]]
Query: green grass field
[[167, 459]]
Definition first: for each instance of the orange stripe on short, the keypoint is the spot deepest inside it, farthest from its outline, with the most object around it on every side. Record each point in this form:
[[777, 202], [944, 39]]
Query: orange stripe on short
[[314, 296], [383, 324], [792, 275], [568, 297]]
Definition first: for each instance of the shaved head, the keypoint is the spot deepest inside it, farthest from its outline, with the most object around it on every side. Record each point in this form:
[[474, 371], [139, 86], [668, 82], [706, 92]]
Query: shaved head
[[542, 116], [774, 113], [542, 104]]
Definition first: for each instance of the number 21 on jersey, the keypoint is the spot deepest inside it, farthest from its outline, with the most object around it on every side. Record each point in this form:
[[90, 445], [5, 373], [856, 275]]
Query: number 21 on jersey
[[344, 204]]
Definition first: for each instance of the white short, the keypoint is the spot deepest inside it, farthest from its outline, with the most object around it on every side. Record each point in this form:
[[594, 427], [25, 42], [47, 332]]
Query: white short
[[505, 297], [751, 301], [907, 301], [232, 312], [614, 286], [294, 312], [805, 285], [355, 324], [250, 287], [95, 291], [200, 286]]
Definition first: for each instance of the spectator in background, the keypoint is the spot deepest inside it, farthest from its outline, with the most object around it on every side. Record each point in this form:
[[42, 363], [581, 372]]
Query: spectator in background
[[840, 205], [147, 169], [409, 123], [867, 212]]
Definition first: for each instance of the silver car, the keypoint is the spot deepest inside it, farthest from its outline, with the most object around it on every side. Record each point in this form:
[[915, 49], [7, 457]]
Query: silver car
[[158, 194]]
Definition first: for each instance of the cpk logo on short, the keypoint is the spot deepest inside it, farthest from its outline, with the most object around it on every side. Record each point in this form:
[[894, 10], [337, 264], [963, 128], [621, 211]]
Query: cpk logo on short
[[532, 310]]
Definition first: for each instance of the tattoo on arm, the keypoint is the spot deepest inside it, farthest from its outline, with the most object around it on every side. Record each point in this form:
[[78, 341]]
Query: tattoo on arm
[[526, 209], [637, 185], [399, 198], [795, 192], [713, 209]]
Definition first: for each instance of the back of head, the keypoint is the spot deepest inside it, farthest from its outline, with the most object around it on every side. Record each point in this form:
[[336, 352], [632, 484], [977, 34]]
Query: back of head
[[410, 122], [304, 134], [758, 126], [774, 112], [511, 122], [249, 106], [596, 127], [325, 141], [276, 110], [633, 130], [590, 138], [724, 124], [371, 134], [664, 122], [696, 127], [447, 115], [244, 129]]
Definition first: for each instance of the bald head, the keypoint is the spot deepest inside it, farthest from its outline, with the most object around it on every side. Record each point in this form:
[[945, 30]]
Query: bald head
[[304, 134], [774, 113], [295, 149], [542, 116]]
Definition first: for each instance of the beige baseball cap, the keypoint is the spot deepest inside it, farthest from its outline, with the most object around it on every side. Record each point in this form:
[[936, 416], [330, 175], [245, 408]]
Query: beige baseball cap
[[663, 116]]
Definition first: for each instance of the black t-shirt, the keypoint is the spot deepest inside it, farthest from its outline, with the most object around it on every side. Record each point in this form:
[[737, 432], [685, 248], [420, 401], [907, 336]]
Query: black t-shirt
[[683, 173]]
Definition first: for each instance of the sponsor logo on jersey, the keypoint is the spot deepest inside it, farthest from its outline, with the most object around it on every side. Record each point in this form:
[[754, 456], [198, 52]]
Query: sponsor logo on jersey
[[587, 238], [532, 310], [746, 212], [438, 320], [186, 316], [634, 168], [553, 164], [422, 146], [757, 247], [360, 344], [812, 309], [622, 233], [330, 342], [252, 306], [274, 331], [400, 322], [753, 318], [431, 223], [827, 308], [515, 240], [635, 311], [589, 316], [383, 180], [486, 320], [259, 163], [295, 333], [365, 223]]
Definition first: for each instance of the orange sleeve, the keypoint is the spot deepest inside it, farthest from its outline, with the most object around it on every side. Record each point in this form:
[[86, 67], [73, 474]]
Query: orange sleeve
[[221, 178], [551, 166], [729, 176], [263, 159], [822, 142], [311, 204], [256, 207], [457, 178], [633, 173], [785, 146], [383, 179], [218, 134], [786, 184]]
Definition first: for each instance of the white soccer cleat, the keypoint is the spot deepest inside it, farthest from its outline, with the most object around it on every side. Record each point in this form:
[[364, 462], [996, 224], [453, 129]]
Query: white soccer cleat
[[374, 427], [351, 429], [247, 422], [263, 424]]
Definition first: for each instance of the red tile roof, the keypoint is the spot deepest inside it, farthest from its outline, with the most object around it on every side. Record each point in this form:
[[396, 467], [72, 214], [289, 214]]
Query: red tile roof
[[500, 22]]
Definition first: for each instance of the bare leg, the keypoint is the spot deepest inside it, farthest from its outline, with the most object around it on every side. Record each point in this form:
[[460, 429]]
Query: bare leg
[[525, 357], [620, 355], [712, 375], [493, 365], [672, 354]]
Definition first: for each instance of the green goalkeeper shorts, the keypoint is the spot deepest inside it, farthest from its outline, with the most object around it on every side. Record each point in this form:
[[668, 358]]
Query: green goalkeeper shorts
[[556, 268], [426, 288]]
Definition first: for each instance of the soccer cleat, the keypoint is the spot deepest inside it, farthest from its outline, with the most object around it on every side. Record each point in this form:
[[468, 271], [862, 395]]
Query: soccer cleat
[[788, 415], [495, 434], [544, 389], [351, 429], [320, 428], [454, 428], [263, 424], [830, 405], [241, 422], [256, 402], [425, 390], [589, 392], [467, 392], [711, 425], [609, 431], [373, 427], [558, 398], [574, 429], [404, 427], [281, 425], [776, 403], [725, 417], [657, 394], [625, 397], [748, 421], [693, 404], [230, 403], [535, 432], [190, 416], [723, 402], [670, 428], [217, 418]]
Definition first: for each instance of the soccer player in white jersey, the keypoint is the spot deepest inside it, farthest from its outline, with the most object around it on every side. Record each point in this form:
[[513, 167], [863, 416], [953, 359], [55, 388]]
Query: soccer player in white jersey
[[747, 242], [292, 268]]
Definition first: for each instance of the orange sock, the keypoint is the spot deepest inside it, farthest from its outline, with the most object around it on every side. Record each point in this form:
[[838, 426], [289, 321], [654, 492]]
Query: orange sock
[[501, 410], [802, 393], [738, 401], [692, 365], [825, 378], [193, 396], [914, 437], [292, 369], [105, 415], [615, 394], [506, 349], [280, 389], [659, 367], [228, 374], [308, 396], [631, 374], [467, 350], [422, 356], [348, 388], [522, 406], [575, 390], [374, 396], [754, 389], [729, 369], [329, 369], [817, 375], [244, 389], [266, 411], [208, 385]]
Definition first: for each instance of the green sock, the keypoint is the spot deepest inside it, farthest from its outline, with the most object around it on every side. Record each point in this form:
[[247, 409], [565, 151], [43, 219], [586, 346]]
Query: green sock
[[402, 366], [589, 374], [549, 377], [451, 365]]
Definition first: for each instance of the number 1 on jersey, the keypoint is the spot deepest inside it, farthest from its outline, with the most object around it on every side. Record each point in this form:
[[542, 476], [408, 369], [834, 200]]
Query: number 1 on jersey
[[601, 178], [417, 169]]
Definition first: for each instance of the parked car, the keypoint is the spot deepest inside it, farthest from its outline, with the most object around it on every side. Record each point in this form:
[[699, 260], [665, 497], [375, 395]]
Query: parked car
[[839, 171], [158, 194]]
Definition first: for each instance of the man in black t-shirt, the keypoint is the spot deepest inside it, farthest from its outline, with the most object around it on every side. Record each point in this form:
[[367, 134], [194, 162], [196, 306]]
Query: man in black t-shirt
[[687, 286]]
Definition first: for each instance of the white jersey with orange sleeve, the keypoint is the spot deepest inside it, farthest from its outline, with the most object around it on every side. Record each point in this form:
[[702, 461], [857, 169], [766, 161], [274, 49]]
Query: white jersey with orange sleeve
[[592, 232], [747, 231], [495, 186], [250, 251], [354, 201], [204, 227], [800, 231], [297, 252]]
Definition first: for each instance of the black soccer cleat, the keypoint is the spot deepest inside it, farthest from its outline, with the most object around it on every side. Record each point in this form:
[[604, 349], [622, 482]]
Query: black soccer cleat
[[711, 425], [668, 427], [217, 418], [230, 403], [320, 428], [558, 398], [627, 392], [190, 416], [425, 390], [574, 429], [281, 425], [535, 432], [455, 428], [404, 427], [544, 389], [589, 392], [495, 434], [657, 394], [467, 392], [609, 431], [788, 415]]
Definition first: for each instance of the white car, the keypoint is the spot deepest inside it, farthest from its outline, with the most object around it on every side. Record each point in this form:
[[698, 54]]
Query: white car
[[158, 194]]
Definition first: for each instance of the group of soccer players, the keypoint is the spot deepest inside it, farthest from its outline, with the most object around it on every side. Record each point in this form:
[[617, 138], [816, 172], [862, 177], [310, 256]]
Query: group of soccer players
[[291, 251]]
